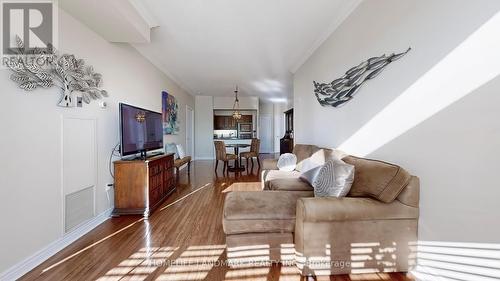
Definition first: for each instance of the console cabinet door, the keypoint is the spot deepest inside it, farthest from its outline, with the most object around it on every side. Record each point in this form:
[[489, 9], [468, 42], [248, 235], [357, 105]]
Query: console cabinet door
[[141, 186]]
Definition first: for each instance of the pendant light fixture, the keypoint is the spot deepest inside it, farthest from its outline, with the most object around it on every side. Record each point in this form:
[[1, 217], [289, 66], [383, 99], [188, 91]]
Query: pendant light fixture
[[236, 105]]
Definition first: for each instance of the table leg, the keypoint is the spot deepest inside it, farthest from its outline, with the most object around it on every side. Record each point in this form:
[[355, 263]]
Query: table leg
[[237, 166]]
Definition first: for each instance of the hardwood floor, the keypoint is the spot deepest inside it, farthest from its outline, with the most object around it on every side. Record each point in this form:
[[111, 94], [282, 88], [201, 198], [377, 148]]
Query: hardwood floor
[[186, 229]]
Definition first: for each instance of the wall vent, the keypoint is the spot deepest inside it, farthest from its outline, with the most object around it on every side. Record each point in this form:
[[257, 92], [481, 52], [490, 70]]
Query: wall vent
[[79, 208]]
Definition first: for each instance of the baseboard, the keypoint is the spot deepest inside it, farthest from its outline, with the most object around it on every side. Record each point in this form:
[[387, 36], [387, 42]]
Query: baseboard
[[204, 158], [26, 265]]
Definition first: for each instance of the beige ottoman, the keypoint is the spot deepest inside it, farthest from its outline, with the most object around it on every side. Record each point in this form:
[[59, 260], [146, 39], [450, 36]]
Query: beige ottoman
[[259, 226]]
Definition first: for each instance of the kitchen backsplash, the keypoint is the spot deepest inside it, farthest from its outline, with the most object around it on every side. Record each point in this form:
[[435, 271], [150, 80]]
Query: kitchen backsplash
[[225, 133]]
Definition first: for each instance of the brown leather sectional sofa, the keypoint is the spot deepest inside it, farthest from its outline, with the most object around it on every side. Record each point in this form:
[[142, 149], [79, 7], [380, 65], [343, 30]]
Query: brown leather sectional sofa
[[373, 229]]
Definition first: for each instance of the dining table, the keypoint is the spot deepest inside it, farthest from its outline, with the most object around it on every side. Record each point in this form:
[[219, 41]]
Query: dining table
[[238, 167]]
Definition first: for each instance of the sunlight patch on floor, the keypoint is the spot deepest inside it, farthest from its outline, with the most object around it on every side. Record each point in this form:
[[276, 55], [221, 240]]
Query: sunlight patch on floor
[[185, 196], [193, 264], [139, 265], [91, 246], [289, 273], [247, 272]]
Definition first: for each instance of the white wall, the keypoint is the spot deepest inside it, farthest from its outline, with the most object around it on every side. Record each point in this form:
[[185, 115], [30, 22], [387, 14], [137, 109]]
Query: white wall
[[454, 152], [228, 102], [204, 127], [30, 141]]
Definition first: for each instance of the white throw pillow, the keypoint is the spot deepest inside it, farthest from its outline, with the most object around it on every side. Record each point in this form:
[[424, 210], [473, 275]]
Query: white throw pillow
[[180, 151], [310, 170], [172, 148], [287, 162], [333, 179], [344, 177]]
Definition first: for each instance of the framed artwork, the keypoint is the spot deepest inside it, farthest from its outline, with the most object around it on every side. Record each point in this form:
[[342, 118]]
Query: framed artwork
[[170, 110]]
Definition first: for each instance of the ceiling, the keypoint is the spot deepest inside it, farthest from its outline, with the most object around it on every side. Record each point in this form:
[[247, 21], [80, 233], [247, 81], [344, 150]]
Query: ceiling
[[208, 47]]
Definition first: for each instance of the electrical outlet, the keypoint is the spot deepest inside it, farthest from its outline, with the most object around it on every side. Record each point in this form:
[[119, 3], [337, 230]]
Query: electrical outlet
[[108, 187]]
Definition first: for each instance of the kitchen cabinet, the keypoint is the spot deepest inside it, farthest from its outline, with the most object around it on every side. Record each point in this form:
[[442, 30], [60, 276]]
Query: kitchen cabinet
[[219, 123], [246, 119], [229, 123], [224, 123]]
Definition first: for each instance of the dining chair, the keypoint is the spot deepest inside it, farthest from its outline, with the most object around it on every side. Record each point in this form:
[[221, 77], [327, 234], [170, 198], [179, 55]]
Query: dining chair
[[254, 152], [221, 155]]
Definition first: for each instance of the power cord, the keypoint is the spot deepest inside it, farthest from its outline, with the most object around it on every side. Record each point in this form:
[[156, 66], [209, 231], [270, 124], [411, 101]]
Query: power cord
[[114, 153]]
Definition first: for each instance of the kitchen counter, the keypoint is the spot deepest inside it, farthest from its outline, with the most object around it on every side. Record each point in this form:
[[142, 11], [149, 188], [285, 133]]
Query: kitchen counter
[[231, 138]]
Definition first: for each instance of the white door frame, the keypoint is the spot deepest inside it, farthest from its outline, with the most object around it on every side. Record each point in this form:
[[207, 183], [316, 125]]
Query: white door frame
[[190, 110], [270, 140]]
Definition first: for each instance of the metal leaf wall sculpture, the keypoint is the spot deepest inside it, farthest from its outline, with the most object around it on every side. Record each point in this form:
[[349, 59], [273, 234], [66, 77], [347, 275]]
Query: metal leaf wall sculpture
[[35, 68], [341, 90]]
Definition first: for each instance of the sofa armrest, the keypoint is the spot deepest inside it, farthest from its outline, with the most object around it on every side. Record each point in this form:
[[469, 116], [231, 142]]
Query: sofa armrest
[[270, 164], [330, 209]]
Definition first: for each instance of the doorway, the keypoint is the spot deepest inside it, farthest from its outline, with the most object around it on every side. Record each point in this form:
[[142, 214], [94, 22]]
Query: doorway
[[189, 131], [266, 133]]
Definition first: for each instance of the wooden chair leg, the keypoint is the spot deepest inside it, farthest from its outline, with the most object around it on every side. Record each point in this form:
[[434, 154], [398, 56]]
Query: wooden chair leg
[[251, 158], [177, 170], [189, 167], [216, 164], [258, 161], [225, 167], [247, 161]]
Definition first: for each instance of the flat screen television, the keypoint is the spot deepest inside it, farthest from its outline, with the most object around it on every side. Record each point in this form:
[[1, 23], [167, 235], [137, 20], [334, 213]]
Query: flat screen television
[[141, 130]]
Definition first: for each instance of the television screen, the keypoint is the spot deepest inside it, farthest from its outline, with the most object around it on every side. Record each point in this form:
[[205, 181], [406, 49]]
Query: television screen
[[141, 129]]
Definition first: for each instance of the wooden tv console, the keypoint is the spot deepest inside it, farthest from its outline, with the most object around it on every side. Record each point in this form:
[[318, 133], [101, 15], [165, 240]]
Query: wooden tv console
[[141, 186]]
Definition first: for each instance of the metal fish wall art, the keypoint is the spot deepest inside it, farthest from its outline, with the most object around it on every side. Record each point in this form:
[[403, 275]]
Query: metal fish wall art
[[343, 89]]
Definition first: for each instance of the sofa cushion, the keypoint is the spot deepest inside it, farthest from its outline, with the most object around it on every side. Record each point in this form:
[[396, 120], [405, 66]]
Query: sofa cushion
[[260, 212], [181, 161], [269, 175], [329, 209], [380, 180], [290, 184]]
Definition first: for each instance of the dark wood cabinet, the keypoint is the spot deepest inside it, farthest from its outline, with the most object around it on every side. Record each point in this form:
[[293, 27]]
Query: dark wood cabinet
[[229, 123], [142, 185], [289, 120], [246, 119], [286, 143], [219, 123]]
